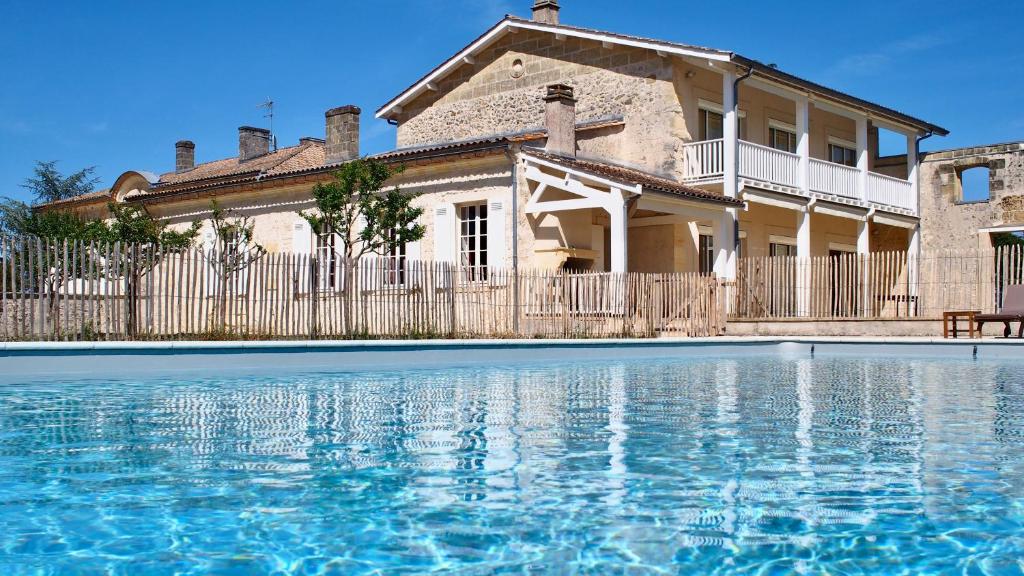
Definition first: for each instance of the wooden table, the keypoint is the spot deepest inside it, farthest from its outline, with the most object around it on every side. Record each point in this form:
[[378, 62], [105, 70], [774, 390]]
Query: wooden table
[[951, 317]]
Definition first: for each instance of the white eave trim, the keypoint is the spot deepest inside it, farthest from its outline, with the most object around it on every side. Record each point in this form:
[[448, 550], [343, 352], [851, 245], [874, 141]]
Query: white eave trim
[[582, 175], [514, 25]]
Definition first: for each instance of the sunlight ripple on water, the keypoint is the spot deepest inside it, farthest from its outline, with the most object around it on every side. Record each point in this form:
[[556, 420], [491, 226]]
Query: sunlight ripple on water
[[759, 465]]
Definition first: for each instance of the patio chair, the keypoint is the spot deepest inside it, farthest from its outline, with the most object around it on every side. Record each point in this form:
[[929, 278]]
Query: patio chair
[[1011, 311]]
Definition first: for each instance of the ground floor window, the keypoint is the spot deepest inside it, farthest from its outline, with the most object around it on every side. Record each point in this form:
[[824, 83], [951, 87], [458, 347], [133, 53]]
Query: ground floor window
[[706, 253], [328, 258], [782, 249], [395, 261], [473, 240]]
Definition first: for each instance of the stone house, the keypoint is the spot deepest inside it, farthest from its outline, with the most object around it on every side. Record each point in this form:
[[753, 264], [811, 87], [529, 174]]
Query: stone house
[[546, 145]]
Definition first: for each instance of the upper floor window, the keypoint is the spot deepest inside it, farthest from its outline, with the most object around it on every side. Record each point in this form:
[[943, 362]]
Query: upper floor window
[[782, 136], [473, 240], [842, 154], [712, 121], [711, 125]]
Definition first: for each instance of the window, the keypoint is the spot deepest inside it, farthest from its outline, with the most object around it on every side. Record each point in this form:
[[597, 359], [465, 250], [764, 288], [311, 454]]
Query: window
[[706, 254], [328, 258], [782, 278], [711, 125], [712, 122], [782, 138], [782, 249], [473, 240], [974, 184], [395, 262], [840, 154]]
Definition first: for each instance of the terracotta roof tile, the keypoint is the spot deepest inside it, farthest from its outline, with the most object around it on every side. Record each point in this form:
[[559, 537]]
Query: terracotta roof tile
[[86, 198], [634, 176], [308, 154]]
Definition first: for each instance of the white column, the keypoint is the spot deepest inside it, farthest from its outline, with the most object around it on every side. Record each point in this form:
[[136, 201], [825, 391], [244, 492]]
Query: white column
[[914, 242], [803, 261], [730, 137], [913, 264], [863, 247], [863, 238], [721, 233], [619, 230], [912, 171], [862, 157], [803, 144], [725, 239]]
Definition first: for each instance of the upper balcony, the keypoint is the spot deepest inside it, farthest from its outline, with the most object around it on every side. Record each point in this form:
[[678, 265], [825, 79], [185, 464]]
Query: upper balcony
[[777, 170]]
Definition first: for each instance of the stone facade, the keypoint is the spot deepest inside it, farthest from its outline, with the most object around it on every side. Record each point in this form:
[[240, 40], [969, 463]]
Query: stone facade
[[503, 92], [947, 222]]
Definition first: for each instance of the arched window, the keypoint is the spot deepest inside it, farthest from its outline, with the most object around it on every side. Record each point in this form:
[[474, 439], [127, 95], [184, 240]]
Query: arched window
[[974, 183]]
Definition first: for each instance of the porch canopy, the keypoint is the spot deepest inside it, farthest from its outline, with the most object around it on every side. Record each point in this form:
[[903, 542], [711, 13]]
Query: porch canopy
[[631, 197]]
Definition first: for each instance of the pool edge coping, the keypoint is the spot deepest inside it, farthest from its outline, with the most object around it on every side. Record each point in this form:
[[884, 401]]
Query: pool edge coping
[[187, 345]]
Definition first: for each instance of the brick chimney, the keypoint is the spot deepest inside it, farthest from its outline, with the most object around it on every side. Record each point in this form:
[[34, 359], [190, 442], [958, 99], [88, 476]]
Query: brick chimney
[[560, 120], [545, 11], [252, 143], [184, 155], [342, 138]]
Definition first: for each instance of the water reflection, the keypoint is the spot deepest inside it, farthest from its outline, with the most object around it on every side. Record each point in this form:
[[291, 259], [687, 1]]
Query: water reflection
[[717, 463]]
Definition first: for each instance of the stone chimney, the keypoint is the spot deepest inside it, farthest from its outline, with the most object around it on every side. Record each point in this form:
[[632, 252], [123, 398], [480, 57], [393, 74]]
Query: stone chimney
[[184, 155], [252, 143], [560, 120], [342, 138], [545, 11]]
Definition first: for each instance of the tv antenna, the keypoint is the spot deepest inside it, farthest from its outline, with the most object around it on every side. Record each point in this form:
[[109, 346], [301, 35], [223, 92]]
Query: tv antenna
[[269, 107]]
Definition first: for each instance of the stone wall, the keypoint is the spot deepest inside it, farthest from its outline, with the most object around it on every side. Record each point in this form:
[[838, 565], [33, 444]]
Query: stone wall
[[502, 93], [947, 222]]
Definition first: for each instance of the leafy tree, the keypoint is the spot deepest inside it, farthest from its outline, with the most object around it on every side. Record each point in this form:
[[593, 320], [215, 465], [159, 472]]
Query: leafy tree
[[355, 193], [363, 217], [49, 185]]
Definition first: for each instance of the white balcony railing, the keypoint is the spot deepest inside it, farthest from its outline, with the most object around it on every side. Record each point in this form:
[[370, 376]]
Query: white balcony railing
[[891, 191], [703, 160], [836, 179], [759, 162]]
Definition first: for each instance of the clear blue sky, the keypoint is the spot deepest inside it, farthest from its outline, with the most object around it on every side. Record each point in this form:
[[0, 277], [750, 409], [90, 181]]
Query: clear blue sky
[[115, 83]]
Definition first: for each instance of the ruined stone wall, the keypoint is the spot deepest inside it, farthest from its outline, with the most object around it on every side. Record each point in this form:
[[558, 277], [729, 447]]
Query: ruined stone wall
[[947, 222], [502, 93]]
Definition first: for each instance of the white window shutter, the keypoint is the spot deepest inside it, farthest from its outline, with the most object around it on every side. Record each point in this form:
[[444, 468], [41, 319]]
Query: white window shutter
[[302, 237], [302, 243], [212, 273], [496, 234], [444, 233]]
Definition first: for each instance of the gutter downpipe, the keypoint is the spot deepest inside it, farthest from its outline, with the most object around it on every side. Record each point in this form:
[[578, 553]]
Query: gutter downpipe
[[736, 152], [515, 236]]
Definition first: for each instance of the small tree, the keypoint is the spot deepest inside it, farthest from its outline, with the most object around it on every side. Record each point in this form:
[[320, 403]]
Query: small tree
[[233, 252], [365, 218], [146, 241]]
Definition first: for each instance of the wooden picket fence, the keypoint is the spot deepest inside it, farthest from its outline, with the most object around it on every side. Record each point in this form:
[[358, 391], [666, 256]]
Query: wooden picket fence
[[91, 291], [877, 285]]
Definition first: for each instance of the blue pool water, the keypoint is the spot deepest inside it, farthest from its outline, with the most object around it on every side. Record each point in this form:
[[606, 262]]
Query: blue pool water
[[755, 465]]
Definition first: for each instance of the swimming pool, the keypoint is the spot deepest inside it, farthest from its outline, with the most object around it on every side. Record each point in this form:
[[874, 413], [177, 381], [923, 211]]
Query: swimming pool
[[687, 465]]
